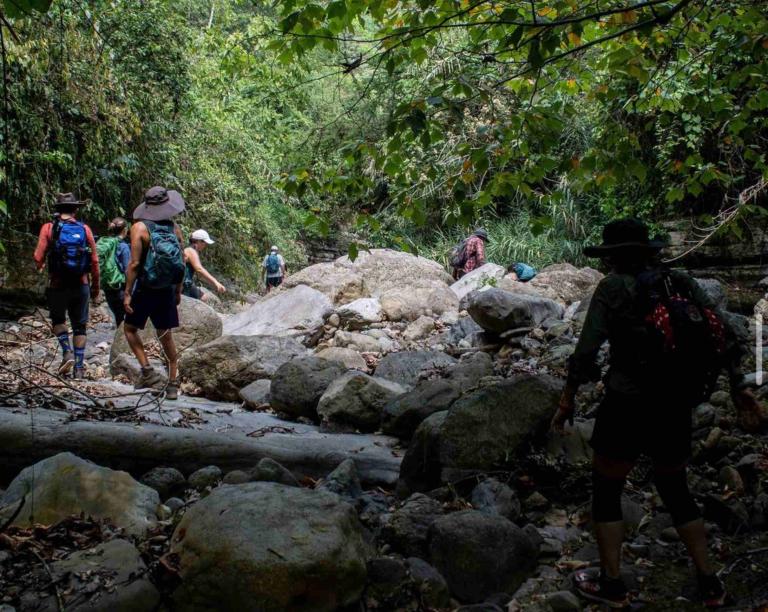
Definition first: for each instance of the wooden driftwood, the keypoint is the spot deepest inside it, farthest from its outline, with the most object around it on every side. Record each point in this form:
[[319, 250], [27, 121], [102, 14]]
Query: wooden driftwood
[[26, 439]]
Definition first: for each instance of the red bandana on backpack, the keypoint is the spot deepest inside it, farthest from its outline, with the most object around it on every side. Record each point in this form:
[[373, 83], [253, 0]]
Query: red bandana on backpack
[[659, 318]]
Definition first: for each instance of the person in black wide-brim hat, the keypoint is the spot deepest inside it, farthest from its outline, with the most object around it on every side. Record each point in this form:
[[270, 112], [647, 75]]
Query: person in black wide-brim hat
[[652, 385]]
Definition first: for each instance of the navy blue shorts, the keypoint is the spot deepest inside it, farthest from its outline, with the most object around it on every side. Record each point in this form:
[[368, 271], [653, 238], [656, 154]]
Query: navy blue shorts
[[157, 305], [274, 281]]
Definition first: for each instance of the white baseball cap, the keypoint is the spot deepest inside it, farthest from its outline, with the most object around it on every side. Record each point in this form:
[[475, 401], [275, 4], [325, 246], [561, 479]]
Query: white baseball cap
[[201, 234], [273, 248]]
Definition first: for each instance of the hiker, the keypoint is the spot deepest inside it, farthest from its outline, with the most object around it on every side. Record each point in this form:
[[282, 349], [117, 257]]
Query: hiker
[[273, 268], [521, 272], [114, 256], [198, 241], [667, 344], [469, 254], [153, 284], [68, 247]]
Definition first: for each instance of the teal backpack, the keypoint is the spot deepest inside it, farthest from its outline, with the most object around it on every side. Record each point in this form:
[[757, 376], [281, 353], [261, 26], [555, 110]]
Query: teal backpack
[[164, 266]]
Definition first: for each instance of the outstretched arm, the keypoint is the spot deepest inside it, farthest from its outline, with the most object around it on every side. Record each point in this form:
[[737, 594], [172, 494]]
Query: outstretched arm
[[193, 258]]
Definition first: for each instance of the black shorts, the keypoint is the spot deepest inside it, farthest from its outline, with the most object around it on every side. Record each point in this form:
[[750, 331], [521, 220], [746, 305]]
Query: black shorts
[[274, 281], [157, 305], [73, 301], [192, 291], [114, 299], [628, 426]]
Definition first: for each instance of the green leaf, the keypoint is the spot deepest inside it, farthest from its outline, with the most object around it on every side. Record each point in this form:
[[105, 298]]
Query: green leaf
[[3, 207], [337, 10], [352, 251], [534, 54], [287, 24]]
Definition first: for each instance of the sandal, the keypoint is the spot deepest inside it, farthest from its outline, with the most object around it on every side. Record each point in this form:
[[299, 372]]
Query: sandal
[[594, 585]]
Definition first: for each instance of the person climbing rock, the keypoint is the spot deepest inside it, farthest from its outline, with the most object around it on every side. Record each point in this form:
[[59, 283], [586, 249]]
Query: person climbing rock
[[114, 257], [153, 284], [198, 242], [68, 248], [668, 342], [469, 254], [521, 272], [273, 268]]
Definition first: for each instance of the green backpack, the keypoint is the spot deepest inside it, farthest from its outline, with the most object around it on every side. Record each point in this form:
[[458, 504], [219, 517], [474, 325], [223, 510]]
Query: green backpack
[[164, 265], [111, 276]]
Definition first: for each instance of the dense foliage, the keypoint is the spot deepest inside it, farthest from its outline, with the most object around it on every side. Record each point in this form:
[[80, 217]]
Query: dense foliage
[[403, 121]]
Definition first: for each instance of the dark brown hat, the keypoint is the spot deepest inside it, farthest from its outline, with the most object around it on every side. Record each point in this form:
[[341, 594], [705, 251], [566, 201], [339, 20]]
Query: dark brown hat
[[624, 235], [67, 199], [159, 204]]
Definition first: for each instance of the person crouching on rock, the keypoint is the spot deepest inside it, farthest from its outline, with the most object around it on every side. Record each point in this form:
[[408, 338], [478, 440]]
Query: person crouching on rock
[[114, 257], [68, 247], [153, 284], [521, 272], [198, 242], [667, 342]]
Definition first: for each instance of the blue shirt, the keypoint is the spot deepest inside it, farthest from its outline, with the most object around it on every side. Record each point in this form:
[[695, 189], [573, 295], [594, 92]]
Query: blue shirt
[[123, 255]]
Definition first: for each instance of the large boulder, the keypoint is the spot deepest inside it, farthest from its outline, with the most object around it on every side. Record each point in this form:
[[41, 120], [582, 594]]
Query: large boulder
[[481, 431], [349, 358], [715, 291], [405, 413], [487, 275], [65, 485], [226, 365], [406, 367], [339, 283], [407, 528], [199, 324], [480, 554], [356, 400], [496, 310], [569, 283], [86, 580], [408, 303], [297, 385], [295, 312], [383, 270], [360, 313], [266, 546]]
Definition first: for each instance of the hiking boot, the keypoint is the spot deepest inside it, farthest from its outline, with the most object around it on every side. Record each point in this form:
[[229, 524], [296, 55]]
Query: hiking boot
[[712, 591], [150, 379], [172, 390], [67, 362], [594, 585], [79, 374]]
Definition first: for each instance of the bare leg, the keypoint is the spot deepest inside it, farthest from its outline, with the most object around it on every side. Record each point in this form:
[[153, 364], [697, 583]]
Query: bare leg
[[79, 341], [137, 346], [169, 348], [694, 536], [610, 534], [59, 329]]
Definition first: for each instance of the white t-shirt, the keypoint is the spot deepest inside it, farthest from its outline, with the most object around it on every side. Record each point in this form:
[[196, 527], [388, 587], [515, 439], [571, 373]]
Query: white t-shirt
[[279, 272]]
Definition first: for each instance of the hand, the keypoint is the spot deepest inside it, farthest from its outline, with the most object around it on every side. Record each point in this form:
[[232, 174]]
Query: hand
[[749, 410], [94, 293], [565, 411], [127, 303], [220, 288]]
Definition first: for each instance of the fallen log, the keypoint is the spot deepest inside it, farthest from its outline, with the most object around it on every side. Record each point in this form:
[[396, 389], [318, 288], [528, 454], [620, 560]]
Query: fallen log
[[137, 448]]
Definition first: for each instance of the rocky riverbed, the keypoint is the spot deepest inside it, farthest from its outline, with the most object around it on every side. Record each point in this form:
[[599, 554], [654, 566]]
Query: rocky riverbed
[[371, 435]]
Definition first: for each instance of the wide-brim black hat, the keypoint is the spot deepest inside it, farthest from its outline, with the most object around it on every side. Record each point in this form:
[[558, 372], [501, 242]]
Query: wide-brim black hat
[[67, 200], [481, 233], [624, 235], [159, 204]]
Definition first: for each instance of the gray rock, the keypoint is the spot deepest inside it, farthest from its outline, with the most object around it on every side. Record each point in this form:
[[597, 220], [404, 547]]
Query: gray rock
[[420, 328], [269, 470], [573, 445], [265, 546], [715, 291], [167, 481], [563, 601], [421, 469], [479, 554], [256, 395], [557, 356], [704, 416], [388, 582], [485, 276], [175, 504], [226, 365], [343, 481], [497, 311], [494, 497], [347, 357], [464, 328], [360, 313], [357, 341], [65, 485], [87, 579], [236, 477], [431, 586], [356, 400], [208, 476], [470, 370], [297, 385], [298, 311], [405, 367], [404, 414], [566, 282], [407, 528]]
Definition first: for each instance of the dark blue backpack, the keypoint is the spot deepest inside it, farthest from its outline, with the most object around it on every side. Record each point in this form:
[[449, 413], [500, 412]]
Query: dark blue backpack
[[69, 257], [164, 265], [273, 263]]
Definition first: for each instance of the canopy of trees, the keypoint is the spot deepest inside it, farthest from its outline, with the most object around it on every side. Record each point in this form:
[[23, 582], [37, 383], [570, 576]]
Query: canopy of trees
[[398, 119]]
